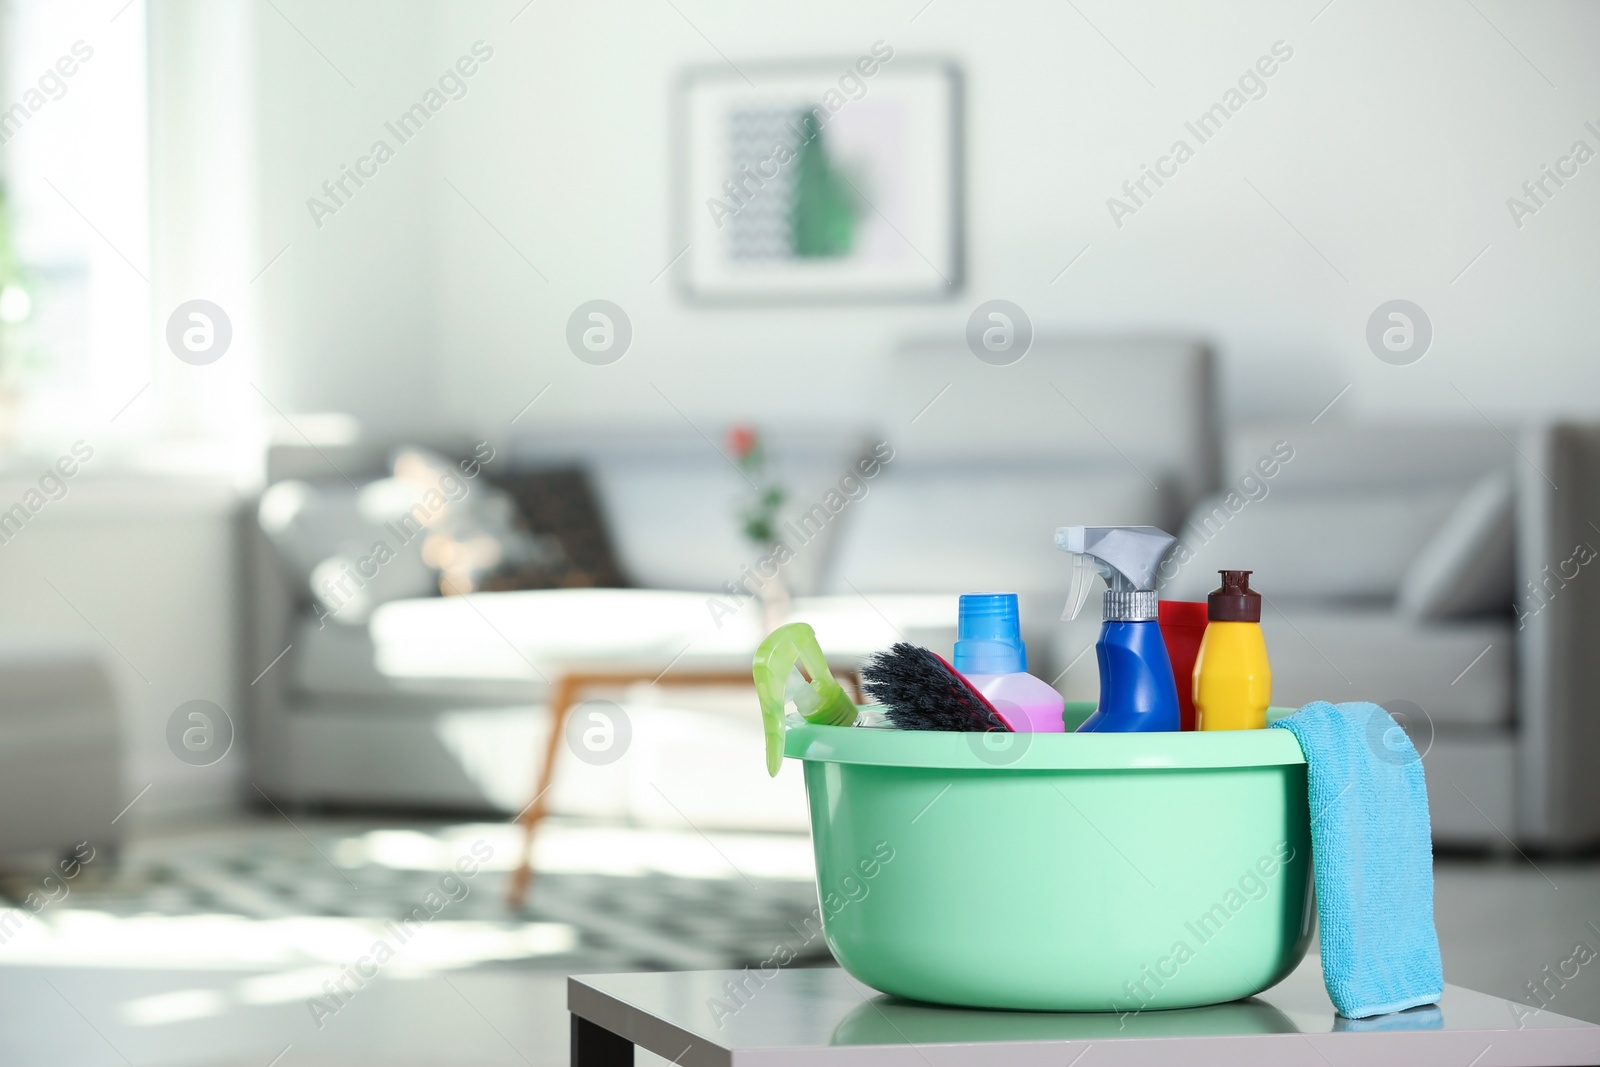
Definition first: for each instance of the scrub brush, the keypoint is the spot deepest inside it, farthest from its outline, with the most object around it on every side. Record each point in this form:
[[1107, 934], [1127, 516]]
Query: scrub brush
[[921, 691]]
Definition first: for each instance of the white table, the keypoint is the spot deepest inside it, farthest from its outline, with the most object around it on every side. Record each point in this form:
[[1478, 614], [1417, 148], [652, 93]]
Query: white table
[[822, 1016]]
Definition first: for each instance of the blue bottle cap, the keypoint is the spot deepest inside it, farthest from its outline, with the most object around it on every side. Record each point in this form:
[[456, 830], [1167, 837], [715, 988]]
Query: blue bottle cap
[[989, 635]]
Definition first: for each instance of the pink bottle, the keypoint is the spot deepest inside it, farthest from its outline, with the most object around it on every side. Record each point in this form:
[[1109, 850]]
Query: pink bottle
[[990, 654]]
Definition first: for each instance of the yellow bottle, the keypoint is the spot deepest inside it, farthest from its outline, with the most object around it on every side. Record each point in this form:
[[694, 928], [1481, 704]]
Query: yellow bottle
[[1232, 677]]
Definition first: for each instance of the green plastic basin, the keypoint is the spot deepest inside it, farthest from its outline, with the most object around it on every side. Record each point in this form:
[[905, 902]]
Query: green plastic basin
[[1060, 872]]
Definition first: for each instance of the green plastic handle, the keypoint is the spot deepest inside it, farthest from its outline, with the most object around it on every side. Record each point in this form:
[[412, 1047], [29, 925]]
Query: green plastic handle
[[774, 661]]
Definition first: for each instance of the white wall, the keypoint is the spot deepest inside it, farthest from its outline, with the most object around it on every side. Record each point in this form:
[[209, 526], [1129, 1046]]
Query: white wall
[[1390, 141], [348, 313], [204, 174]]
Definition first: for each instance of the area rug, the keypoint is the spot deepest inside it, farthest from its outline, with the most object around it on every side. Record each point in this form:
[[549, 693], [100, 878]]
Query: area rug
[[303, 892]]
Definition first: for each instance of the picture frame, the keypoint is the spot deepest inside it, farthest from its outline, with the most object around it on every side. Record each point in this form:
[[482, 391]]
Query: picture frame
[[820, 181]]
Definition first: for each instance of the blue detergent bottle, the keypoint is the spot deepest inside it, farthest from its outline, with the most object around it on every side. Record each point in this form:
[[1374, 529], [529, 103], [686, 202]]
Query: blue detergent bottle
[[1137, 691]]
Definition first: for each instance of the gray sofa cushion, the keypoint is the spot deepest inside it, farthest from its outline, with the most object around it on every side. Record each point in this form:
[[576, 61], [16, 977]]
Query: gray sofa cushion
[[969, 527], [1345, 545], [1342, 655], [1341, 455], [672, 511], [1459, 673], [1143, 406]]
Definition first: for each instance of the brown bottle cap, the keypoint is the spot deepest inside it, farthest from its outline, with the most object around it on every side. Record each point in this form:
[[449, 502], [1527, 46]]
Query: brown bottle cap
[[1235, 601]]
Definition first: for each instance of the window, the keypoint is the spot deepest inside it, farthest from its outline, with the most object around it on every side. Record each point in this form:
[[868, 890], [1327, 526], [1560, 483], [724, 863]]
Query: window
[[74, 131]]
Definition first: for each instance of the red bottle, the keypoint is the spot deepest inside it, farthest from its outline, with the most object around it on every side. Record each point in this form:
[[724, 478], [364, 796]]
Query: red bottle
[[1183, 624]]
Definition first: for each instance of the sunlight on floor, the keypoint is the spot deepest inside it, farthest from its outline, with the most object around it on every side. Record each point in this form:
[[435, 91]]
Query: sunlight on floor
[[73, 938], [567, 848], [322, 960]]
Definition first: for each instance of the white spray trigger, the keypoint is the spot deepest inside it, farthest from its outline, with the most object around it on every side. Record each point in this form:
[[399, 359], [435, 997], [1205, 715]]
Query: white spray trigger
[[1084, 571]]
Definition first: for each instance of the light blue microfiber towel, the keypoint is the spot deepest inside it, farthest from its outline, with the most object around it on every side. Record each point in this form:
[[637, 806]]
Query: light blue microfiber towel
[[1372, 852]]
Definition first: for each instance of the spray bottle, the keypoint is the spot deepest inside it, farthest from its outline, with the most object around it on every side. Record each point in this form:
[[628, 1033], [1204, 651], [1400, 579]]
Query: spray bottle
[[1137, 692], [816, 695]]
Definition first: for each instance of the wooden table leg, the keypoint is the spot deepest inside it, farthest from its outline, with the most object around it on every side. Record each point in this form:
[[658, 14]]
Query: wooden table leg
[[563, 694], [850, 677], [561, 698]]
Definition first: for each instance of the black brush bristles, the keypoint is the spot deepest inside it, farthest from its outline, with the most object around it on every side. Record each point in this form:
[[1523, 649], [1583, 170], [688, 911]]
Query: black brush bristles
[[920, 691]]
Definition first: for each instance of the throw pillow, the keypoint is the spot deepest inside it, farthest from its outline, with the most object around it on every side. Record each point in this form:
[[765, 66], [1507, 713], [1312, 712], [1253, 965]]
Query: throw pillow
[[557, 505]]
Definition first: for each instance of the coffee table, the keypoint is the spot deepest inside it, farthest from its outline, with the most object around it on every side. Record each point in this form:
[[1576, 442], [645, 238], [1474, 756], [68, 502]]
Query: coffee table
[[566, 690], [591, 639], [823, 1016]]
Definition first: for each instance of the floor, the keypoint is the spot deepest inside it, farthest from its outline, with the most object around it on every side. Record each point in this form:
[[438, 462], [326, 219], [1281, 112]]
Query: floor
[[212, 946], [1503, 922]]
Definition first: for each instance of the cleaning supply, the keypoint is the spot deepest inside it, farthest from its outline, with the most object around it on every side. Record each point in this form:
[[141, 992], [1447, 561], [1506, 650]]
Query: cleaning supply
[[1372, 856], [991, 655], [1137, 692], [996, 882], [1183, 624], [1232, 677], [920, 691], [817, 696]]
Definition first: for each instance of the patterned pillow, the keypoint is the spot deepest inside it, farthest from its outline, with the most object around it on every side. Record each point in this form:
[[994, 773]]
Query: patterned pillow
[[558, 506]]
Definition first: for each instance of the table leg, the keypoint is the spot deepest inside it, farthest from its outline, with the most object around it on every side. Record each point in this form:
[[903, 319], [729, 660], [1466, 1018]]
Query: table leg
[[561, 697], [563, 694], [595, 1046], [851, 677]]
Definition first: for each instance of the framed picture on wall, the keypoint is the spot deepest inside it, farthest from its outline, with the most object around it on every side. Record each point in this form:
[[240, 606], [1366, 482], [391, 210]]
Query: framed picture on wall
[[821, 181]]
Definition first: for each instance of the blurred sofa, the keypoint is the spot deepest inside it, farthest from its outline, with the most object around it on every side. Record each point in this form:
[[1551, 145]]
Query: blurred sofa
[[1435, 570], [438, 702]]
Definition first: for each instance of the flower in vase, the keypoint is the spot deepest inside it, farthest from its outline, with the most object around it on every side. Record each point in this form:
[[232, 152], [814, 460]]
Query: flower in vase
[[758, 518]]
